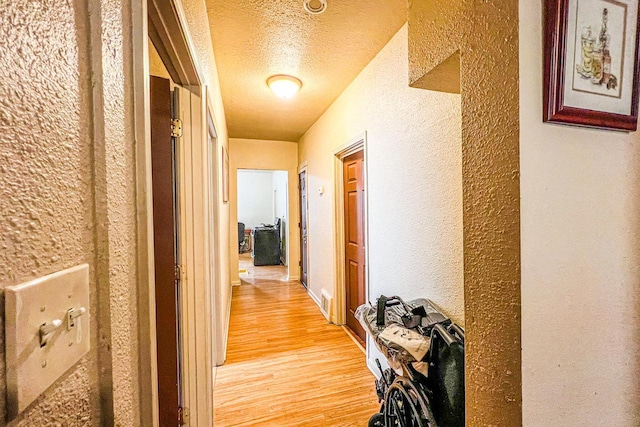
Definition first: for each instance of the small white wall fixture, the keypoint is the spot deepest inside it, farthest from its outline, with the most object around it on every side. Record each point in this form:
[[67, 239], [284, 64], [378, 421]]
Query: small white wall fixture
[[47, 332]]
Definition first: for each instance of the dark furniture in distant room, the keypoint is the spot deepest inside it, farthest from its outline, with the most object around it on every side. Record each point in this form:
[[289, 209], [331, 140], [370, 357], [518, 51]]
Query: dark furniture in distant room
[[266, 246], [244, 238], [240, 236]]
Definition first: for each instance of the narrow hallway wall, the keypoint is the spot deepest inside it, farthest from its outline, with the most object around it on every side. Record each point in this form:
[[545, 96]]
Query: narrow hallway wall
[[68, 190], [199, 30], [414, 183], [580, 261]]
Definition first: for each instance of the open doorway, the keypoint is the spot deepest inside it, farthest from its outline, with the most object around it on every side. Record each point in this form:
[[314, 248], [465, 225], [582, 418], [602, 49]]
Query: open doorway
[[304, 223], [263, 224], [180, 168]]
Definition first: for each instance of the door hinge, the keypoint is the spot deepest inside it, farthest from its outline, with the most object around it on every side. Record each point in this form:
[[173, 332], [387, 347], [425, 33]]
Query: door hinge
[[178, 272], [299, 263], [183, 416], [176, 128]]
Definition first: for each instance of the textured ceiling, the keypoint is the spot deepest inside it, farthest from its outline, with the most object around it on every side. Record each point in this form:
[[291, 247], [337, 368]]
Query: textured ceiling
[[254, 39]]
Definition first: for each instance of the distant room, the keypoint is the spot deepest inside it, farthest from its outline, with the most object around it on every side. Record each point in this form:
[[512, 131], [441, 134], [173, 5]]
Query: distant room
[[262, 223]]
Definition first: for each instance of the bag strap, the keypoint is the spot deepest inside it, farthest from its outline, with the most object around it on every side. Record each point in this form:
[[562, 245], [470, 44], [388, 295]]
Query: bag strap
[[382, 305]]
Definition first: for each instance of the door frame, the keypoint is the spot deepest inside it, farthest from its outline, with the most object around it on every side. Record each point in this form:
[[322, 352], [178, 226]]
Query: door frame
[[339, 306], [288, 230], [213, 156], [164, 23], [303, 168]]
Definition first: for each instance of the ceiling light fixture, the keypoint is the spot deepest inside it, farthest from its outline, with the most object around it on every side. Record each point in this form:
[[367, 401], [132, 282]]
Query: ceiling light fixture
[[284, 86], [315, 7]]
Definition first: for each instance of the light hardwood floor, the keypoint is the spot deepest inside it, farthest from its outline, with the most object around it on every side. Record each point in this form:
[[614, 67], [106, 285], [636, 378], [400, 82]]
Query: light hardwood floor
[[286, 365]]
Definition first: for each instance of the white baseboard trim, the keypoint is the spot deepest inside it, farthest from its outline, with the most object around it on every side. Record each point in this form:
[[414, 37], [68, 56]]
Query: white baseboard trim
[[315, 298], [226, 330], [236, 283], [293, 278], [318, 302], [371, 364], [221, 353]]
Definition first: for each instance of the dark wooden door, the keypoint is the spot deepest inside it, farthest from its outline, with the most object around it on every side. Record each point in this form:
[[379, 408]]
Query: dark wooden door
[[304, 263], [354, 238], [165, 240]]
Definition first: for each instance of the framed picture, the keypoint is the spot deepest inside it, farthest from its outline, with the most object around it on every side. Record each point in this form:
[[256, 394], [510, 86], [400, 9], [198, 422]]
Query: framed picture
[[591, 63], [225, 175]]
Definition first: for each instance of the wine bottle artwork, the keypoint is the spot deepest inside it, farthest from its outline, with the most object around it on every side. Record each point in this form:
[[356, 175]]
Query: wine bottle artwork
[[592, 63], [596, 55]]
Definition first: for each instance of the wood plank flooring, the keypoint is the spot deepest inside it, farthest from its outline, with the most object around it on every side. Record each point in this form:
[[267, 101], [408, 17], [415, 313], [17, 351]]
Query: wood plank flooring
[[286, 365], [249, 273]]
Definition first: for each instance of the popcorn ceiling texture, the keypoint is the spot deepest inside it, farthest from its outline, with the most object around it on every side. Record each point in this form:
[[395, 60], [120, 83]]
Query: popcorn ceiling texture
[[255, 39], [486, 34], [46, 177]]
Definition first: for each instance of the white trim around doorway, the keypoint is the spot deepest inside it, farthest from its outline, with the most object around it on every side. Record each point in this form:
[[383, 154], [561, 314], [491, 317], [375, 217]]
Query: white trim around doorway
[[359, 143], [303, 167], [198, 307]]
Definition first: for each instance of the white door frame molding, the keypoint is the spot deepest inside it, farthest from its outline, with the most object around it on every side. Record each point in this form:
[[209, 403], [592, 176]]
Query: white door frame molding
[[168, 30], [359, 143], [303, 167], [213, 155]]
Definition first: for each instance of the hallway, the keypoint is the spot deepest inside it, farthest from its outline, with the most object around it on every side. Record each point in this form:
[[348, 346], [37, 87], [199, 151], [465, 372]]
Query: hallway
[[286, 366]]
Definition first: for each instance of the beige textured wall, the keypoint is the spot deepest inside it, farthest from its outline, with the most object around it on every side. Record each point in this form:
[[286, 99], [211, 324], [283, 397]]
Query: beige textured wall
[[436, 30], [414, 183], [486, 33], [46, 182], [156, 66], [580, 261], [490, 173], [264, 155], [116, 211], [67, 189]]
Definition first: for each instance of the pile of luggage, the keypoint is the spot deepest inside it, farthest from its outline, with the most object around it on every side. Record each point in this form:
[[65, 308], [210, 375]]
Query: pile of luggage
[[424, 385]]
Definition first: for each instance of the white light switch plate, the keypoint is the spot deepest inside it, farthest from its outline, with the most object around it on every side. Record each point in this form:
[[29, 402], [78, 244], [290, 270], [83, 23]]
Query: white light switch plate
[[31, 369]]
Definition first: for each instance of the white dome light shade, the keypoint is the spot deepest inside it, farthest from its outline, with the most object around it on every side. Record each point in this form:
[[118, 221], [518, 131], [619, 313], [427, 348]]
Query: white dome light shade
[[284, 86]]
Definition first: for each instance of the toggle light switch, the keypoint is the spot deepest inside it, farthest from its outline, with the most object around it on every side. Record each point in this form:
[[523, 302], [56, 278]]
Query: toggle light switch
[[75, 321], [47, 329], [72, 315], [39, 346]]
